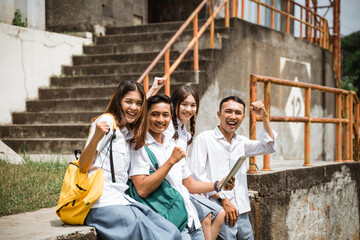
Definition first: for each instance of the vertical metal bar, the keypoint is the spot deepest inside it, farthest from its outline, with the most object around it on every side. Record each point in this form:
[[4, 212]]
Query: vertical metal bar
[[351, 126], [301, 24], [146, 83], [253, 92], [212, 26], [346, 128], [311, 26], [233, 8], [272, 14], [196, 46], [338, 129], [227, 19], [167, 67], [258, 12], [236, 8], [356, 123], [242, 9], [337, 42], [267, 93], [288, 17], [307, 127], [307, 19]]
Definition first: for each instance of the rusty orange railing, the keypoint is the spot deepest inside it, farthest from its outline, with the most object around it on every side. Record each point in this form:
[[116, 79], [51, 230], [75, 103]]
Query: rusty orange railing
[[347, 114], [165, 52], [316, 27]]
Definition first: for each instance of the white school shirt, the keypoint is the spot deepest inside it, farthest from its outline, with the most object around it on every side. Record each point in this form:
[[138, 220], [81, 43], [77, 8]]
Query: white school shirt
[[213, 157], [184, 135], [113, 193], [141, 164]]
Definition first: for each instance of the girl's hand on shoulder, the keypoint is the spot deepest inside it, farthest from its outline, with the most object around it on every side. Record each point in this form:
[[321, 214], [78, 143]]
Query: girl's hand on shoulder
[[177, 155]]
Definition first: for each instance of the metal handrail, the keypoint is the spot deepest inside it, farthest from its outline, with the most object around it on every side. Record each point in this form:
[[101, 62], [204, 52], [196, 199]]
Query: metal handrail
[[347, 113], [165, 52], [324, 36]]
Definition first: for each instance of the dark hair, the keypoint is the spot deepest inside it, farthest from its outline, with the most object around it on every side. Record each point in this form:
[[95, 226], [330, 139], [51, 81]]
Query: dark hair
[[234, 98], [159, 98], [179, 95], [139, 126]]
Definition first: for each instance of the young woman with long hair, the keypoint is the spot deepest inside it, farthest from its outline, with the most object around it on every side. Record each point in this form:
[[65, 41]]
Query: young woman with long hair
[[115, 215]]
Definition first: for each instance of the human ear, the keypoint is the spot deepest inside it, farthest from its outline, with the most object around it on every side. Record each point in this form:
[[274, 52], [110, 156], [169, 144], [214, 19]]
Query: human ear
[[218, 114]]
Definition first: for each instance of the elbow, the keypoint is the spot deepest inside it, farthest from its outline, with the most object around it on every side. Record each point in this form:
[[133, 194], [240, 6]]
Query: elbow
[[142, 193]]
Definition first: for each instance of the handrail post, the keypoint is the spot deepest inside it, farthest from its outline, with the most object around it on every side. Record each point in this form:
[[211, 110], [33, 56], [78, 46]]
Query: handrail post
[[253, 85], [288, 17], [242, 9], [196, 46], [258, 12], [272, 14], [356, 123], [267, 93], [146, 83], [307, 127], [347, 128], [167, 67], [301, 24], [227, 19], [233, 8], [212, 26], [338, 129], [351, 127], [307, 18]]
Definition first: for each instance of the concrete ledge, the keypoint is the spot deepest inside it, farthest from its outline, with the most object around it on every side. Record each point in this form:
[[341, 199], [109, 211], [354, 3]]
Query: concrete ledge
[[42, 224]]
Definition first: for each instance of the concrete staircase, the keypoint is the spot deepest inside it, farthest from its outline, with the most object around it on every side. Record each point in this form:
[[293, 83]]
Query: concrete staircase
[[58, 122]]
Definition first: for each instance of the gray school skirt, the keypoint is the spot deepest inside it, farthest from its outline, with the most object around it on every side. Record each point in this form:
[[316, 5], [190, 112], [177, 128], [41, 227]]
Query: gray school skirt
[[135, 221], [204, 206]]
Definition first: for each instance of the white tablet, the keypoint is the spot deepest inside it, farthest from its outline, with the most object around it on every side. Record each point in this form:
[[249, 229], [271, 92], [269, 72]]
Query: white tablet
[[233, 171]]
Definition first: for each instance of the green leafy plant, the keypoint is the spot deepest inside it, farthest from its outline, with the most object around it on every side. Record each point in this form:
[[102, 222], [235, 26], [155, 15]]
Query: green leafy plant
[[17, 21]]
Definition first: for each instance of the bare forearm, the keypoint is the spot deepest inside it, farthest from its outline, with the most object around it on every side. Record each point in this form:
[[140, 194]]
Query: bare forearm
[[267, 127], [198, 187], [88, 155]]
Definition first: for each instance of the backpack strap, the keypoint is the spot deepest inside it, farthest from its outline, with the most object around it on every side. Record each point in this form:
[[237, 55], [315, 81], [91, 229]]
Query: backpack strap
[[111, 152], [152, 157]]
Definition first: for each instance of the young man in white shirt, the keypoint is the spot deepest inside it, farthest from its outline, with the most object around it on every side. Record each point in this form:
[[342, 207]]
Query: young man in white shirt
[[216, 151]]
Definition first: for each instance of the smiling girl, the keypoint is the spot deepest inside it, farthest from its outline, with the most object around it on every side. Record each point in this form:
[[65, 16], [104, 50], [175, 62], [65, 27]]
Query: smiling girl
[[115, 215], [186, 106]]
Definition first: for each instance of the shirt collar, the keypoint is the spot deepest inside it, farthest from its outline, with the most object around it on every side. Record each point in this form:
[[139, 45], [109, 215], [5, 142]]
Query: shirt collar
[[220, 135], [127, 133], [150, 140]]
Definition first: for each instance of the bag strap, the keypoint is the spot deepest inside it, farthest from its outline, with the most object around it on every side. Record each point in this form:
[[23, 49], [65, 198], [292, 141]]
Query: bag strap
[[111, 152], [152, 157]]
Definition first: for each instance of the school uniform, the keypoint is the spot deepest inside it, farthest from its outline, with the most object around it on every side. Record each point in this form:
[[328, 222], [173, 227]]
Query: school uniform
[[115, 215], [141, 164], [202, 204], [213, 157]]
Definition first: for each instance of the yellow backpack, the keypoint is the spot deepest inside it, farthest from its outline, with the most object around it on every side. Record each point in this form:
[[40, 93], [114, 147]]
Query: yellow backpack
[[79, 192]]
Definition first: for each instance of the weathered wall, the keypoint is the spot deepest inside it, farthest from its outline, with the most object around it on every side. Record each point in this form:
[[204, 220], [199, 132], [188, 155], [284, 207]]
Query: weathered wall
[[253, 49], [32, 10], [310, 203], [27, 61], [84, 15]]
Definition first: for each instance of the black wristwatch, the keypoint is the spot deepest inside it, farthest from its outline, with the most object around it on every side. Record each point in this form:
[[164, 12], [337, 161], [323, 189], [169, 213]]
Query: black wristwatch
[[222, 196]]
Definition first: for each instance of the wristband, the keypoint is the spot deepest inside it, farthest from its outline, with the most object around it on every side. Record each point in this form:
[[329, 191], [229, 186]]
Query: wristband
[[215, 186]]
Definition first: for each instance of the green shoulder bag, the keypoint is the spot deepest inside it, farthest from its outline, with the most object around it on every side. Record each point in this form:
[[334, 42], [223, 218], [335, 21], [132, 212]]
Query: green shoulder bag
[[165, 200]]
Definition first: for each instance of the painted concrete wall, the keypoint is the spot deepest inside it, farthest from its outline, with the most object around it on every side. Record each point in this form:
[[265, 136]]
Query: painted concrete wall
[[310, 203], [32, 10], [28, 58], [253, 49]]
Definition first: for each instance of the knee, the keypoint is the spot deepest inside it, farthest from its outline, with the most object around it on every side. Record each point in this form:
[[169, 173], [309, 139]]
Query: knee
[[221, 215], [207, 220]]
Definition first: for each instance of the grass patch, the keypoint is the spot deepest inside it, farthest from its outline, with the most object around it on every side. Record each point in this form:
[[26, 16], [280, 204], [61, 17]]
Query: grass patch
[[30, 186]]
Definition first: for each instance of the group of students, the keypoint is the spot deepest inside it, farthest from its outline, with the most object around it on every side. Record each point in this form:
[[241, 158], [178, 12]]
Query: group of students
[[159, 124]]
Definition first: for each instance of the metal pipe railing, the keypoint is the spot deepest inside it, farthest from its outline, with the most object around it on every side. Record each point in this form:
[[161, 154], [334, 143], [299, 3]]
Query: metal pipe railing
[[165, 52], [350, 118]]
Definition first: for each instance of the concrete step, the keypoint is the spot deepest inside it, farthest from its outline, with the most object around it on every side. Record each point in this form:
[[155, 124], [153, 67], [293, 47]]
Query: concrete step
[[157, 27], [187, 35], [77, 93], [45, 145], [74, 106], [204, 54], [53, 117], [178, 77], [145, 47], [127, 68], [42, 224], [44, 131]]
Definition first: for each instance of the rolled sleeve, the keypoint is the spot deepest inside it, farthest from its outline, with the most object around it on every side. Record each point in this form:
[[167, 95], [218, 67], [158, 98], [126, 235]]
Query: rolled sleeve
[[265, 145], [139, 164]]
